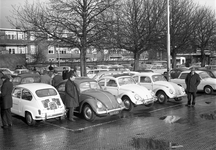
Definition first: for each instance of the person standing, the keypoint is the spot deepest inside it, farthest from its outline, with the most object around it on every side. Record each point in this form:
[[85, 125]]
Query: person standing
[[6, 102], [64, 73], [69, 72], [45, 78], [71, 97], [57, 78], [192, 80]]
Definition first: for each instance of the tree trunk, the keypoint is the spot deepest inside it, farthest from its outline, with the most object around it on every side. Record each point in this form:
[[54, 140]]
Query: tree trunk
[[136, 61], [203, 57], [173, 54], [83, 61]]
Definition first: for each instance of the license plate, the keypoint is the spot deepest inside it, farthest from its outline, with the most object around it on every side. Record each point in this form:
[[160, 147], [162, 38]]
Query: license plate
[[114, 112]]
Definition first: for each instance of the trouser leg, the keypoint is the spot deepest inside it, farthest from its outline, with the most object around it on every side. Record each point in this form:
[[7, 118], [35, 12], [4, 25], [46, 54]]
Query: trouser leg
[[3, 117], [71, 113], [8, 116], [194, 97], [189, 98]]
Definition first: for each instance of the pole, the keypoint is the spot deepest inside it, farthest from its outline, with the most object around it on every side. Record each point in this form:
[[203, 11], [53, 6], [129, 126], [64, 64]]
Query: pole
[[168, 41], [58, 56]]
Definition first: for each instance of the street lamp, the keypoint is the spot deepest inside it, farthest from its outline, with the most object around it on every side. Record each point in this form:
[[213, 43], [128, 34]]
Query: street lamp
[[58, 56], [168, 41]]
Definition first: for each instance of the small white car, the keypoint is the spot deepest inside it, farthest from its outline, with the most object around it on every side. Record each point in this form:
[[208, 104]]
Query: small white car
[[207, 83], [36, 102], [93, 72], [163, 89], [125, 87]]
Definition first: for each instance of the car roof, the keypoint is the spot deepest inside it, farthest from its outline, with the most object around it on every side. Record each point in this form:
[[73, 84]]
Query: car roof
[[79, 80], [148, 73], [188, 71], [27, 75], [34, 86]]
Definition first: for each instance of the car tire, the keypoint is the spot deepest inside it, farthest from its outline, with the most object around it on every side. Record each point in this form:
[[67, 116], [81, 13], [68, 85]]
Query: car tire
[[29, 119], [88, 113], [208, 89], [161, 97], [129, 106]]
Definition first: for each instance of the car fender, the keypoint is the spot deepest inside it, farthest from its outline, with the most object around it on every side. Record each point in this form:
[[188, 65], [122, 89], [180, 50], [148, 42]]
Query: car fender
[[90, 101], [32, 110], [128, 94], [164, 89]]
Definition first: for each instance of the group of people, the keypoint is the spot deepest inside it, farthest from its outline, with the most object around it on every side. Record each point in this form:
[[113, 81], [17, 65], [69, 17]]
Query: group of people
[[72, 95]]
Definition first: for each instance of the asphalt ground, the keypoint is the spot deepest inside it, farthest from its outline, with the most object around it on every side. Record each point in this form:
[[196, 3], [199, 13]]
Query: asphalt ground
[[162, 127]]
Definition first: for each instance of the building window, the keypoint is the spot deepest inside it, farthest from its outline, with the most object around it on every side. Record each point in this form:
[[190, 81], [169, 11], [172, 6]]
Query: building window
[[32, 49], [51, 50]]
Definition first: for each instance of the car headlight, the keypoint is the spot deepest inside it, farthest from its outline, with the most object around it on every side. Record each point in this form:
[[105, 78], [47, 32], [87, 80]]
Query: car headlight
[[137, 97], [119, 100], [171, 91], [99, 104], [152, 93]]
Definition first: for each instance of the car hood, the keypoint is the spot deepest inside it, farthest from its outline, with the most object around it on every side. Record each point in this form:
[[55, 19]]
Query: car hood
[[103, 96], [167, 84], [138, 89]]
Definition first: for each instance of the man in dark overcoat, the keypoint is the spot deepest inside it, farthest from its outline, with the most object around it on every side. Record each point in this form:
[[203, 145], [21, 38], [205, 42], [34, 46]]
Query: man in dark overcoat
[[6, 102], [71, 97], [192, 80], [64, 73]]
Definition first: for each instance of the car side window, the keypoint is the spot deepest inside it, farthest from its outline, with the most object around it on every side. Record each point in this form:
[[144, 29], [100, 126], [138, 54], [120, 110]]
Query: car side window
[[183, 75], [61, 88], [112, 83], [135, 78], [145, 79], [102, 82], [26, 95], [16, 93]]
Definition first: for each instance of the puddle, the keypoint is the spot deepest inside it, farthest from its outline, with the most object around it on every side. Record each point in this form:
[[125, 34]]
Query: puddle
[[153, 144], [170, 119], [209, 116], [208, 102]]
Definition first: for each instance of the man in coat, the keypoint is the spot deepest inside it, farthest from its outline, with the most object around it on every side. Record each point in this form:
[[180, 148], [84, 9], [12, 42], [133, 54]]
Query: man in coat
[[6, 102], [69, 72], [71, 97], [57, 78], [64, 73], [192, 81]]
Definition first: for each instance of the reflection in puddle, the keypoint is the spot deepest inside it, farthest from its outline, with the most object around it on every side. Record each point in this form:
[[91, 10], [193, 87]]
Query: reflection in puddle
[[170, 119], [209, 116], [153, 144]]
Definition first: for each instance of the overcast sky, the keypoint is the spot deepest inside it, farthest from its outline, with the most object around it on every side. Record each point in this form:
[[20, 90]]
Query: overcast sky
[[6, 8]]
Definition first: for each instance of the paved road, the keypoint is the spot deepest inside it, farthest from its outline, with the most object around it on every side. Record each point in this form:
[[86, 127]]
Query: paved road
[[162, 127]]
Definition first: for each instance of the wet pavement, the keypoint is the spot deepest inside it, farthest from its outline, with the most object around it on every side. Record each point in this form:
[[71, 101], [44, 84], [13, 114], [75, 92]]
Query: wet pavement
[[162, 127]]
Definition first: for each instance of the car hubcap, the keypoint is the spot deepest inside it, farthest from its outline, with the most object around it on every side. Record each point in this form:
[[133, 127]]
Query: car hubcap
[[161, 97], [127, 104], [88, 113], [207, 90]]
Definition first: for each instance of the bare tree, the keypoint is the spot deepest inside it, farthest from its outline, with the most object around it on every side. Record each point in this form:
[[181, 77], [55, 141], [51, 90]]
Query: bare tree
[[205, 30], [78, 23], [138, 26]]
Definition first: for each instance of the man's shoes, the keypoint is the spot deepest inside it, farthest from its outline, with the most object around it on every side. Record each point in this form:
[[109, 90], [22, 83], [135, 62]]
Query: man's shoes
[[4, 127], [71, 120], [193, 105], [188, 105], [10, 125]]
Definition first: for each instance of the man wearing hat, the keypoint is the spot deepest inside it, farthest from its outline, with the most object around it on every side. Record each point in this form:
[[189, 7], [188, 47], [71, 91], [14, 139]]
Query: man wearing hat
[[6, 102], [192, 81]]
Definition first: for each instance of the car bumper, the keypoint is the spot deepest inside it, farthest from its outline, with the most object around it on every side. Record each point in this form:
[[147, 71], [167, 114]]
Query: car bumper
[[109, 112], [146, 101], [177, 95], [46, 116]]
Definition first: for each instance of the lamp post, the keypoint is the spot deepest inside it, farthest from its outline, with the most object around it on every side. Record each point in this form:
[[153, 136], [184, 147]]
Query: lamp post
[[58, 56], [168, 41]]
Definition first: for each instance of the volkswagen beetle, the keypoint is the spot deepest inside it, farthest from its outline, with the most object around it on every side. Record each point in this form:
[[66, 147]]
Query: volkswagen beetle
[[94, 101]]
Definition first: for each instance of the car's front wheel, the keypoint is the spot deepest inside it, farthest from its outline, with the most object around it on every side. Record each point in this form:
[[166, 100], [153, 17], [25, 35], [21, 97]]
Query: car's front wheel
[[88, 113], [161, 97], [29, 119], [208, 89], [129, 106]]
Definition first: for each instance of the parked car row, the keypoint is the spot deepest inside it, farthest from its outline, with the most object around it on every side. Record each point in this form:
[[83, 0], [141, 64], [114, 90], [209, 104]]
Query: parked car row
[[108, 93]]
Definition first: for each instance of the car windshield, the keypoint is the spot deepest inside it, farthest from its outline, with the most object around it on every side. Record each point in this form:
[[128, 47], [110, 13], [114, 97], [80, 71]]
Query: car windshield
[[88, 85], [126, 80], [46, 92], [156, 78], [204, 75], [214, 73]]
